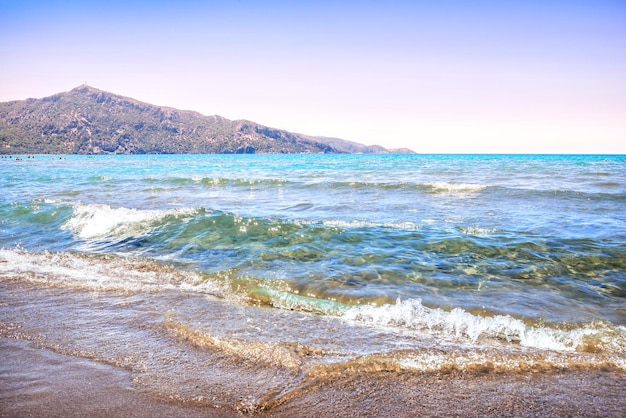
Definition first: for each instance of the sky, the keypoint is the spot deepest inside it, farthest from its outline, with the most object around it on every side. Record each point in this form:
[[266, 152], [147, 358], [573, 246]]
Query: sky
[[433, 76]]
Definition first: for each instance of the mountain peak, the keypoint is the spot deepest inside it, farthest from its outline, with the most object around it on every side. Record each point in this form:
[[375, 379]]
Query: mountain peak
[[85, 88]]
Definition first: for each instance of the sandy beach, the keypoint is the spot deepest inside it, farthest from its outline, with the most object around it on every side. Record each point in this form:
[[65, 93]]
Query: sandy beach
[[40, 382]]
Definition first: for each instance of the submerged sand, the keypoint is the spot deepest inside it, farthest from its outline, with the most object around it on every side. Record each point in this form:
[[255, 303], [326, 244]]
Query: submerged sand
[[40, 382]]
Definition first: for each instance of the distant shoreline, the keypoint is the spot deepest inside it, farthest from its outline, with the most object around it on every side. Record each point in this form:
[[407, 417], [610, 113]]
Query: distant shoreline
[[33, 155]]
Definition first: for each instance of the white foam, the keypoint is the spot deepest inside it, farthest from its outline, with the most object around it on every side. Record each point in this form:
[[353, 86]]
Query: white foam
[[56, 202], [349, 224], [456, 188], [95, 220], [474, 230], [99, 273], [461, 324], [407, 226]]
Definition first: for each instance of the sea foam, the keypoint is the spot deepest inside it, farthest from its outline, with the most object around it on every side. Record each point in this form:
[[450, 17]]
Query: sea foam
[[101, 273], [461, 324], [456, 188], [355, 224], [97, 220]]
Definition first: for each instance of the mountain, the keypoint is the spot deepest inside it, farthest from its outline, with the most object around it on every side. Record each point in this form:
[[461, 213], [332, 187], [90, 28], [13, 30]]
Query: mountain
[[86, 120], [350, 147]]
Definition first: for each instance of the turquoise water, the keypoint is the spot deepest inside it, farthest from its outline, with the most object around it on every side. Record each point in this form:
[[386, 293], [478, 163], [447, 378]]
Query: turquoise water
[[519, 251], [538, 237]]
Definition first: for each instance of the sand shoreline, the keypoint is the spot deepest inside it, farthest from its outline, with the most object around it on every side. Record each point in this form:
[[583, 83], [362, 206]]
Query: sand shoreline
[[39, 382]]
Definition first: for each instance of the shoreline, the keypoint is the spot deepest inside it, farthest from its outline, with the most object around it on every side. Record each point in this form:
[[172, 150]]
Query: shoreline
[[40, 382]]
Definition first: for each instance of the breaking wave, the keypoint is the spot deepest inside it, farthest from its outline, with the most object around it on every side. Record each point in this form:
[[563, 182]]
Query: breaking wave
[[106, 273], [411, 314], [98, 220]]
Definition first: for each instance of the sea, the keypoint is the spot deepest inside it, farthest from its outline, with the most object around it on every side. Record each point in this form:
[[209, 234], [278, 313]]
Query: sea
[[238, 280]]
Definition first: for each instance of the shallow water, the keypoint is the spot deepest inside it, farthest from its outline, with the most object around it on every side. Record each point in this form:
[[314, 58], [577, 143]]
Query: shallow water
[[283, 269]]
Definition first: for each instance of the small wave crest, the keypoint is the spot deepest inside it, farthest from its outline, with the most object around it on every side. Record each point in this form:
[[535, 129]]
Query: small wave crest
[[455, 188], [106, 273], [219, 181], [355, 224], [475, 230], [459, 323], [98, 220]]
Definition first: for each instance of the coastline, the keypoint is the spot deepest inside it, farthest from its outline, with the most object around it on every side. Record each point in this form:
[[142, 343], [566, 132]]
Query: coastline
[[41, 382]]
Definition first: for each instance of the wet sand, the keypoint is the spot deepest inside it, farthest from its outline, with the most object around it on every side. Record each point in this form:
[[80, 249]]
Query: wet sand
[[37, 382], [573, 393], [40, 382]]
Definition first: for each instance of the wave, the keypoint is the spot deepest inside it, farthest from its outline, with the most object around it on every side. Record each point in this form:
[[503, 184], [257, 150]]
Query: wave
[[197, 230], [99, 178], [342, 259], [411, 314], [455, 188], [457, 326], [447, 341], [33, 224], [319, 362], [323, 184], [474, 230], [611, 190], [595, 192], [406, 226], [599, 190], [448, 188], [106, 273], [43, 212], [99, 220], [217, 181]]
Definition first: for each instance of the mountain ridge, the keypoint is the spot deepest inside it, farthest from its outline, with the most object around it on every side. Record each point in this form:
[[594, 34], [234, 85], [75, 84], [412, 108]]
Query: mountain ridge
[[87, 120]]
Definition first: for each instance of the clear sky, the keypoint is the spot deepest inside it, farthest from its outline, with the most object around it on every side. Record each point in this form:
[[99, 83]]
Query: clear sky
[[434, 76]]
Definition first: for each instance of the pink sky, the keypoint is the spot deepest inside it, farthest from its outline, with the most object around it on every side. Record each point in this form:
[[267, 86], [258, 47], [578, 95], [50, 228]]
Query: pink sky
[[446, 77]]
